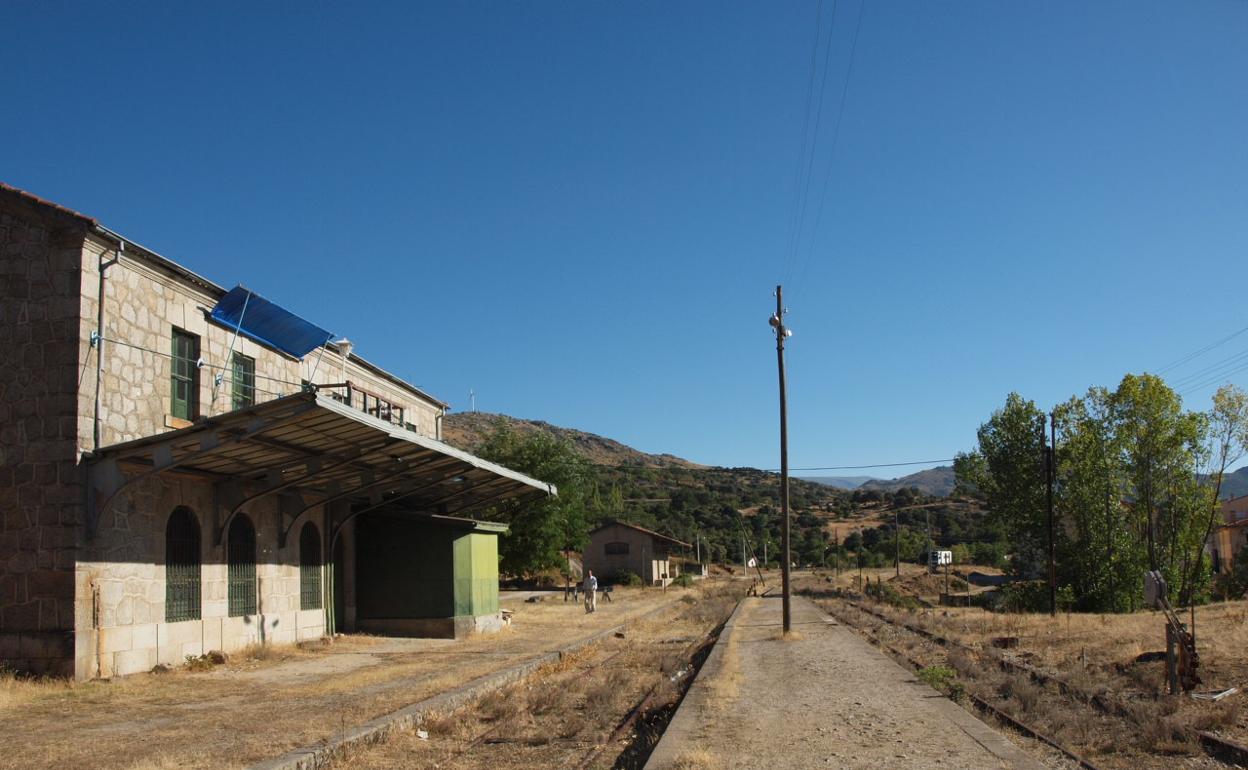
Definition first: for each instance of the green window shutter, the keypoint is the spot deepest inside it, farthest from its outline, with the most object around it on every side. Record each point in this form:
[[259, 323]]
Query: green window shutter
[[182, 567], [309, 568], [243, 371], [241, 567], [184, 376]]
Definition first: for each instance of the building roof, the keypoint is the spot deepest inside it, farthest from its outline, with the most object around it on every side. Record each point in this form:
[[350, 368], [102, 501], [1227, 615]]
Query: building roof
[[650, 532], [315, 451], [215, 290], [47, 205]]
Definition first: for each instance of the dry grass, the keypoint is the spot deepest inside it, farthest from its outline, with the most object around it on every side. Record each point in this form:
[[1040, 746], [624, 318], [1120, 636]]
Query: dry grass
[[1096, 655], [258, 706], [788, 636], [725, 685], [159, 762], [696, 759], [557, 716]]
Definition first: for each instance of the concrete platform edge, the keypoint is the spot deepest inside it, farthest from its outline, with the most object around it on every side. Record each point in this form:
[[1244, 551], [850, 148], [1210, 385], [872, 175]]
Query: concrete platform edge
[[320, 755], [668, 748]]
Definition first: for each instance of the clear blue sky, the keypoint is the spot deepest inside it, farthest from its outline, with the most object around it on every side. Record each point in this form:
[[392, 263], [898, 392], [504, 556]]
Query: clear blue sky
[[581, 209]]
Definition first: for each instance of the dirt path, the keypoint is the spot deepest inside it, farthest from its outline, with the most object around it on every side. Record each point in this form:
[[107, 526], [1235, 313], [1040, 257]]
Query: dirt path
[[824, 698], [252, 710]]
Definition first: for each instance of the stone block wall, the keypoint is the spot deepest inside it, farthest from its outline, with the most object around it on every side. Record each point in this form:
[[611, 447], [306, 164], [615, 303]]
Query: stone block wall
[[41, 488], [122, 577], [143, 305]]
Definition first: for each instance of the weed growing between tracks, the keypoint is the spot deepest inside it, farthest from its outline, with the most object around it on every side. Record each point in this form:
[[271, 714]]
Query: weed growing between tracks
[[1092, 712], [604, 707]]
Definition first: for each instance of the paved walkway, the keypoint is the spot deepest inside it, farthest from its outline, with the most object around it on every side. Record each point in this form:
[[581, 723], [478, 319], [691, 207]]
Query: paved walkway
[[827, 699]]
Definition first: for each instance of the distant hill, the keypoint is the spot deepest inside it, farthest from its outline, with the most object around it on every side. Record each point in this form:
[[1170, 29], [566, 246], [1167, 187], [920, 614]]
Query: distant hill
[[934, 481], [841, 482], [716, 506], [1235, 484], [469, 430]]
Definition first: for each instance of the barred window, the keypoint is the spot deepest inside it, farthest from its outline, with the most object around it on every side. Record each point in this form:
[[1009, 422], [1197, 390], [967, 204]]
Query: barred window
[[241, 555], [182, 566], [310, 568]]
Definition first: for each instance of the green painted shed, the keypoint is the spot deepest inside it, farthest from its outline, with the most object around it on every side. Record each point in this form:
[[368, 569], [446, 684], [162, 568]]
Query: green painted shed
[[426, 575]]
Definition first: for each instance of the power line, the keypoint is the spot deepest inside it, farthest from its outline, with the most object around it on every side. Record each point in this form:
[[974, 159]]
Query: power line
[[1214, 380], [878, 465], [1225, 363], [836, 135], [1201, 351], [725, 469], [801, 152], [804, 185]]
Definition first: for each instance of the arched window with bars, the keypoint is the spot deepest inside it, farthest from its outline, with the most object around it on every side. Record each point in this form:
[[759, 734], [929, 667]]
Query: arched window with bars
[[310, 567], [182, 566], [241, 566]]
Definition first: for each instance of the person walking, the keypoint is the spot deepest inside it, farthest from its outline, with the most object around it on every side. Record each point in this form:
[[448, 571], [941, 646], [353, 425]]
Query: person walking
[[591, 591]]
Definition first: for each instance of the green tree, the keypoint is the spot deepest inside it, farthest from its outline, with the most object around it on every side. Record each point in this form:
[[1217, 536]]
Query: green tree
[[1161, 447], [1100, 558], [969, 472], [1008, 477], [1227, 438], [541, 529]]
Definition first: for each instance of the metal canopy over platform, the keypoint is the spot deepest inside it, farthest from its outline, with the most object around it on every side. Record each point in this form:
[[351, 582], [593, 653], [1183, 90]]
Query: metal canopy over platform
[[310, 450]]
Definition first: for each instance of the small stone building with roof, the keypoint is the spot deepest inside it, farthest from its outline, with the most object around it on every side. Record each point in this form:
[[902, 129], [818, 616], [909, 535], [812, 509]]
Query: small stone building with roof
[[619, 546], [1229, 538], [186, 468]]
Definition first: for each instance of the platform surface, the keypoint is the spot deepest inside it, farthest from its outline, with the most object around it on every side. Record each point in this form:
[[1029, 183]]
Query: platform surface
[[825, 699]]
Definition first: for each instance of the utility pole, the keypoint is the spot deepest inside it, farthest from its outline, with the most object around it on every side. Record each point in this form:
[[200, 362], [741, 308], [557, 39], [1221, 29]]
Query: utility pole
[[777, 321], [896, 544], [1050, 476], [745, 565], [765, 562], [836, 545], [698, 541], [929, 540], [472, 399]]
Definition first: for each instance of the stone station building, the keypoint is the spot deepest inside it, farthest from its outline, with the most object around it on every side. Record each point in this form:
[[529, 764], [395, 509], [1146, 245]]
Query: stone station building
[[619, 546], [185, 468]]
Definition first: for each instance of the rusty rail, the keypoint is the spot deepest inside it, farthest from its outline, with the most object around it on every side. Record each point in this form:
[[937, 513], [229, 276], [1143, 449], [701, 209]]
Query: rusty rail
[[1217, 747]]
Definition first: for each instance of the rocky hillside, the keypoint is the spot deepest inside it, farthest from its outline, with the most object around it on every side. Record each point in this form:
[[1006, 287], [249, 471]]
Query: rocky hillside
[[937, 482], [468, 430]]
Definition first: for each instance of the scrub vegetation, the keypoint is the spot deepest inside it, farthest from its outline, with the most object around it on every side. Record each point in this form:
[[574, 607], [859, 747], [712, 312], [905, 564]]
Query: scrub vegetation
[[1105, 658], [577, 712], [255, 707]]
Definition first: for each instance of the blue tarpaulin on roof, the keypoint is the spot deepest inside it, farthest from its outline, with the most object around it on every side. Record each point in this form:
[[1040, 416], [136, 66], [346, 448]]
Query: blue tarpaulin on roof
[[267, 323]]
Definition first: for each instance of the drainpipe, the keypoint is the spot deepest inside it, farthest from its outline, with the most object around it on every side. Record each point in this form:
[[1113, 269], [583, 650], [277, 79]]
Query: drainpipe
[[98, 339]]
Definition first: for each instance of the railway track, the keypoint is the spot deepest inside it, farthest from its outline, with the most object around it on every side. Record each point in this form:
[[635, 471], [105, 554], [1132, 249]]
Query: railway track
[[1217, 747]]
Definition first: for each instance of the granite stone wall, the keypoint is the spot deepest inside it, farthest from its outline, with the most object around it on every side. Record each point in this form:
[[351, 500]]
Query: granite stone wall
[[124, 579], [92, 603], [41, 487]]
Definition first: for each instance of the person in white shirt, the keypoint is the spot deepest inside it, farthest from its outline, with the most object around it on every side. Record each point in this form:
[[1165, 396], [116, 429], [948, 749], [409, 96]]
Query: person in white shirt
[[591, 591]]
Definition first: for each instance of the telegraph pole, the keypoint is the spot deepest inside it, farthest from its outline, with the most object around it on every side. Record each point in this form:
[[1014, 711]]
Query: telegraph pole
[[777, 321], [896, 544], [1050, 476]]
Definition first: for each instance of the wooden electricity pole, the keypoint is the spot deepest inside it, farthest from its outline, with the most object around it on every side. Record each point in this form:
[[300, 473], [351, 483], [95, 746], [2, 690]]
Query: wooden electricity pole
[[896, 544], [1050, 476], [777, 321]]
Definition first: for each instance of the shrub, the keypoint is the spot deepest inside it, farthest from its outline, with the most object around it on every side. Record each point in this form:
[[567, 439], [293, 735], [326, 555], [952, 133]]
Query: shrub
[[625, 578], [684, 580], [1033, 596], [888, 594]]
